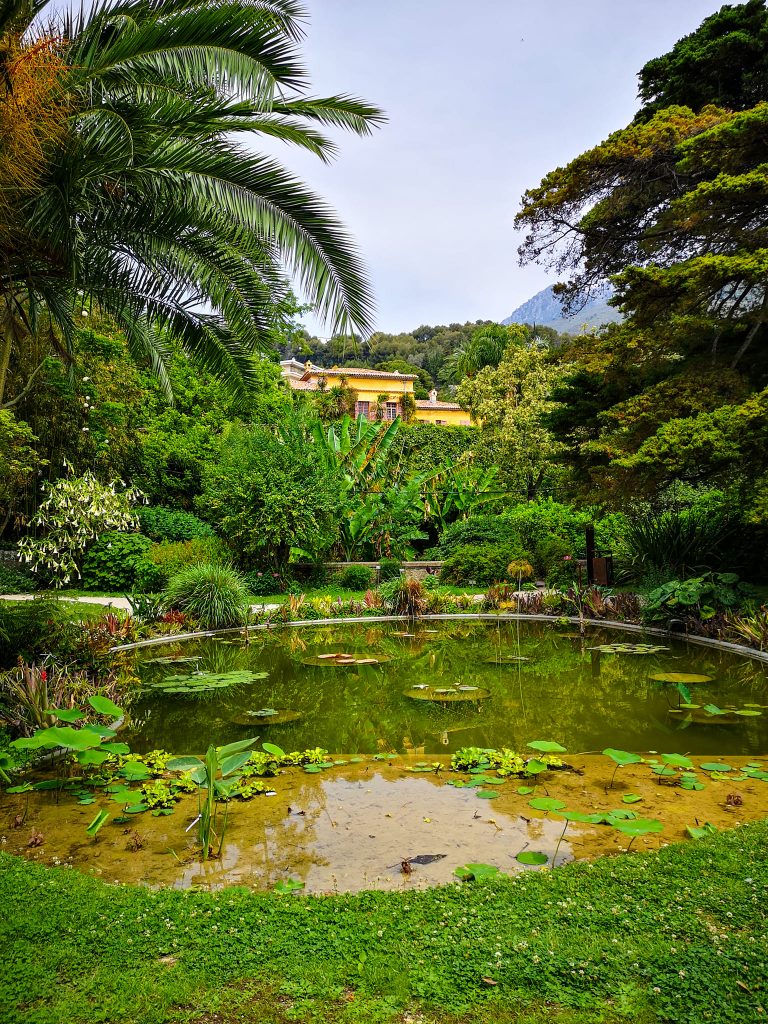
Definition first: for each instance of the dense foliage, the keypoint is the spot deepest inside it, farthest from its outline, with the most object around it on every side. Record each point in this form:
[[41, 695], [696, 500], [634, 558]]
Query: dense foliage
[[140, 199]]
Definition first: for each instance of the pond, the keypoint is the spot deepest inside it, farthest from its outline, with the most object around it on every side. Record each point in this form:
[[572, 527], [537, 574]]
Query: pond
[[432, 687]]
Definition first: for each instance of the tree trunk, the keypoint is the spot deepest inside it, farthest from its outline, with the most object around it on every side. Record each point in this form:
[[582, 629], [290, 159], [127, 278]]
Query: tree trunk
[[6, 341]]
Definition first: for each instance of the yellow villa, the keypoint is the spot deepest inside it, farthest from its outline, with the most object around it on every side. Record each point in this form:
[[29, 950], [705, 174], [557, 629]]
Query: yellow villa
[[370, 387]]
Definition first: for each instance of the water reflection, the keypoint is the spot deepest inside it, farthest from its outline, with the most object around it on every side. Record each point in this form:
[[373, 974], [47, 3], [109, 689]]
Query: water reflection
[[545, 683]]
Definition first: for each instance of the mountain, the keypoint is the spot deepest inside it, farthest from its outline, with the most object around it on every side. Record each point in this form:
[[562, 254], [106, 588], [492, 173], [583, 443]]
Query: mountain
[[545, 310]]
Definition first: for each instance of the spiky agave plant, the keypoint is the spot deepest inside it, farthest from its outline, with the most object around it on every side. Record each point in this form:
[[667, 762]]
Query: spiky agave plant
[[143, 200]]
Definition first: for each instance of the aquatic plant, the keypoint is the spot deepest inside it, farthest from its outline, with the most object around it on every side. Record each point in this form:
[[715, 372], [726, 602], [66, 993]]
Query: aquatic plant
[[210, 776], [506, 762], [620, 758], [751, 627]]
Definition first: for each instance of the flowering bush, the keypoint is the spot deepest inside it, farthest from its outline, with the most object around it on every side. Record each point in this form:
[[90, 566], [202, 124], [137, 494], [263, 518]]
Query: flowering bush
[[77, 511]]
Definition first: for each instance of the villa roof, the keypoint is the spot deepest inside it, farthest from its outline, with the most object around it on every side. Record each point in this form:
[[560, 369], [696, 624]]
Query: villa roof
[[424, 404], [358, 371]]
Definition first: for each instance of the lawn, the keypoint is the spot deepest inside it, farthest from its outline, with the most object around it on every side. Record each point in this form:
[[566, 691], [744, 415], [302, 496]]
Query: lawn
[[675, 936]]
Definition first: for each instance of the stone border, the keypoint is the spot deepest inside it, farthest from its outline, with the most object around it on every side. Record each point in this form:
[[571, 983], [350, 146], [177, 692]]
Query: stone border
[[633, 627]]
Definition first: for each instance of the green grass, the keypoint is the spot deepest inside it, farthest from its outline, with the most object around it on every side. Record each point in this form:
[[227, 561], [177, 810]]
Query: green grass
[[348, 595], [674, 936]]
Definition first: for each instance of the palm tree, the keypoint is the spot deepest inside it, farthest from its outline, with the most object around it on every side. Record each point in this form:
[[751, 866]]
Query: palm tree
[[142, 200]]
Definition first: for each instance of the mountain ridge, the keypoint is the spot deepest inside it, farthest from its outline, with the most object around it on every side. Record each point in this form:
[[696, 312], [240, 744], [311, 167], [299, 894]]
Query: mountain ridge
[[545, 310]]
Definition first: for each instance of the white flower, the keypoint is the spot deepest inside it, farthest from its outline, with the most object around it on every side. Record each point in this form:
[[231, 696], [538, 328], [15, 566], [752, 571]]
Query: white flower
[[84, 313]]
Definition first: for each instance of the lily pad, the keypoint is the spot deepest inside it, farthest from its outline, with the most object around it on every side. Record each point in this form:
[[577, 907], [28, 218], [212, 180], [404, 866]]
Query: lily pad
[[680, 677], [505, 659], [266, 716], [200, 682], [343, 659], [532, 857], [628, 648], [717, 766], [546, 803], [446, 694]]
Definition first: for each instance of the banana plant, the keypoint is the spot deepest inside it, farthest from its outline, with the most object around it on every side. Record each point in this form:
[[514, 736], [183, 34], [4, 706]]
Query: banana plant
[[214, 775]]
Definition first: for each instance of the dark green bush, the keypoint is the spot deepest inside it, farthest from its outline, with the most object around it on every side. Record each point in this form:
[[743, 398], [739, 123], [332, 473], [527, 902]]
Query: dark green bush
[[170, 557], [16, 581], [150, 578], [557, 564], [264, 582], [354, 577], [676, 543], [480, 529], [112, 562], [161, 523], [389, 569], [480, 564]]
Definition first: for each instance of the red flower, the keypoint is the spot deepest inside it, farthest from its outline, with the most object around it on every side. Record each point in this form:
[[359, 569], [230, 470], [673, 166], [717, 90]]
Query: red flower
[[43, 675], [567, 558]]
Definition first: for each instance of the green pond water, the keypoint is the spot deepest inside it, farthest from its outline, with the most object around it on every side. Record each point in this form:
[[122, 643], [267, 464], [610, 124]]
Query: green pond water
[[280, 688]]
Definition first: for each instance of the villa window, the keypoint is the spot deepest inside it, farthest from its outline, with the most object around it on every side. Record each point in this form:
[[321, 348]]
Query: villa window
[[362, 409], [390, 411]]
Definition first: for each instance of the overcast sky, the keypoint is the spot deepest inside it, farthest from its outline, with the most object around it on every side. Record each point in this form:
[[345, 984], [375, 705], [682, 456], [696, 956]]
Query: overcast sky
[[483, 99]]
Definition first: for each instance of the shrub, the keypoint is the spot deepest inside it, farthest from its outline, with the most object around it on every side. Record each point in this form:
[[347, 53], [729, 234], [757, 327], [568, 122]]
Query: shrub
[[262, 583], [354, 577], [161, 523], [112, 562], [557, 563], [480, 564], [481, 529], [389, 569], [404, 596], [677, 543], [171, 557], [213, 594], [701, 597], [16, 581]]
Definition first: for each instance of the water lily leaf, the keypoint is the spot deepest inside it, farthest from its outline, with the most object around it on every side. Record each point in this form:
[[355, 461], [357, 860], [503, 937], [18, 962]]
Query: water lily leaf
[[622, 757], [546, 803], [639, 826], [104, 706], [476, 872], [135, 808], [716, 766], [66, 714], [532, 857], [92, 757], [747, 712], [677, 760], [487, 794], [700, 831], [525, 790], [286, 886], [546, 746], [312, 769], [713, 709], [631, 798], [535, 767]]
